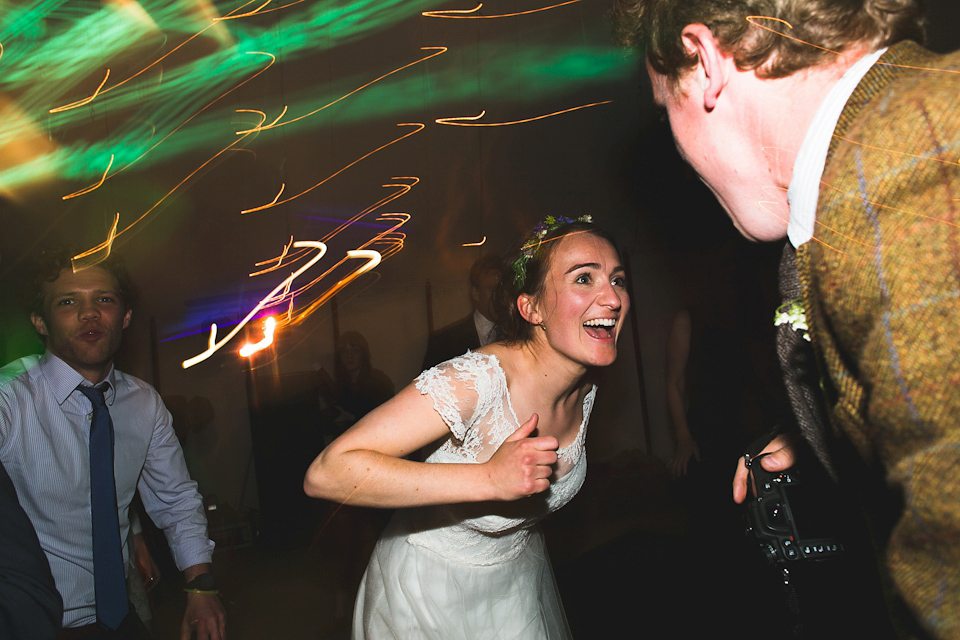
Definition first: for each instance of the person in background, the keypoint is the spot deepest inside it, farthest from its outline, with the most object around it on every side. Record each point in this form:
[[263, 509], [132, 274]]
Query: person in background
[[475, 330]]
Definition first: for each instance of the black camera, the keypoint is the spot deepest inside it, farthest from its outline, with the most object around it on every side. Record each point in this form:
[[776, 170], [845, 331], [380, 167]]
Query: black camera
[[791, 520]]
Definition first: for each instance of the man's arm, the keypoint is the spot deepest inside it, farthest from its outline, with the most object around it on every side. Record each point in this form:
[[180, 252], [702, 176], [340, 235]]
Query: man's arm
[[204, 615], [30, 606], [171, 499], [678, 351], [884, 295]]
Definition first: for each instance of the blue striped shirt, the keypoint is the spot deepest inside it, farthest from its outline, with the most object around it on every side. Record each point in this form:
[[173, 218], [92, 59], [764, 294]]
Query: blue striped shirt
[[44, 445]]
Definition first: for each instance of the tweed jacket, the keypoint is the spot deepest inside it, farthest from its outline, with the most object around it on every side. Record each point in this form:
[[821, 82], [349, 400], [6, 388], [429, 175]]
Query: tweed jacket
[[881, 287]]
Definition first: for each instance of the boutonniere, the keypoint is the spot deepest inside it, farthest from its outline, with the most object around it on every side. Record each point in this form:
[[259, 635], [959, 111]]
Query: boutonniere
[[791, 312]]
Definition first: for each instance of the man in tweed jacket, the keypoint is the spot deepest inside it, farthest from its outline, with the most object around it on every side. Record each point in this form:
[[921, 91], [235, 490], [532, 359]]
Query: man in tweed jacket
[[820, 120]]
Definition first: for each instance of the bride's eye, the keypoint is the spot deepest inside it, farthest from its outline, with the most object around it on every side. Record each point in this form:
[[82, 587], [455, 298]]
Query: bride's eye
[[583, 278]]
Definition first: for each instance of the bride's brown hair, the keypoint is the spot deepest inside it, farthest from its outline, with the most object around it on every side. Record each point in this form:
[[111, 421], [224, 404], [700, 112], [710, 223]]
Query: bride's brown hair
[[512, 326]]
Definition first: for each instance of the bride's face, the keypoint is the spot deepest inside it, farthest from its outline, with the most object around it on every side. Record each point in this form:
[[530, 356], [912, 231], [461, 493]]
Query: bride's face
[[583, 303]]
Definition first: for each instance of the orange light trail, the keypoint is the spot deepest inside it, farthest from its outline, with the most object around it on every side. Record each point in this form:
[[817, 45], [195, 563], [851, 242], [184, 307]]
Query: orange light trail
[[753, 20], [213, 345], [419, 128], [87, 100], [99, 253], [269, 326], [437, 51], [898, 153], [177, 128], [475, 244], [880, 205], [93, 186], [464, 14], [458, 120], [402, 189], [372, 258], [389, 242], [186, 179], [230, 16]]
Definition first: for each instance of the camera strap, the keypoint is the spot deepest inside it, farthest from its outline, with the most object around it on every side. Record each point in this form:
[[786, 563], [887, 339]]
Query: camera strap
[[793, 602]]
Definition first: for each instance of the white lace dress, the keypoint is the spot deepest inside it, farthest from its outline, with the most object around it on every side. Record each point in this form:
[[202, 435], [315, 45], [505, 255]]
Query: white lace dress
[[477, 570]]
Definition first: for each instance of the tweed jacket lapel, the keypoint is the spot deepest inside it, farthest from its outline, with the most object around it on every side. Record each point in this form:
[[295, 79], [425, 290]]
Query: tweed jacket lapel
[[800, 371]]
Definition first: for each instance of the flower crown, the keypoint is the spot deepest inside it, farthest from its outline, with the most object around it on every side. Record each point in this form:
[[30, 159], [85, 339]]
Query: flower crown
[[532, 245]]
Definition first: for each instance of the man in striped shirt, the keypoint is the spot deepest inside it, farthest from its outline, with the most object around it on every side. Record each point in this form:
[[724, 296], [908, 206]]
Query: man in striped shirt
[[45, 427]]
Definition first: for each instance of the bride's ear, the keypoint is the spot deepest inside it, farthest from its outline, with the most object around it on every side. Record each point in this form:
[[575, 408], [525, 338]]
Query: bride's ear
[[528, 308]]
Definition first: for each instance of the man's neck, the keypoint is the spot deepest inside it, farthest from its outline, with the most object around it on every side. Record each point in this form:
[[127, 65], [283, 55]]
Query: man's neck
[[789, 107]]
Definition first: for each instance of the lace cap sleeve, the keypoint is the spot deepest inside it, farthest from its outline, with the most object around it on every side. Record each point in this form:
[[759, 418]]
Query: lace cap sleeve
[[456, 388]]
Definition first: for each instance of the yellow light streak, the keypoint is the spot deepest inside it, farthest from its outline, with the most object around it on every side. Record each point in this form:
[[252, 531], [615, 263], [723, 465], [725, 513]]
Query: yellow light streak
[[437, 51], [87, 100], [462, 121], [279, 259], [753, 20], [373, 258], [236, 13], [269, 326], [393, 241], [897, 153], [93, 186], [213, 345], [475, 244], [419, 127], [235, 143], [464, 14], [99, 253]]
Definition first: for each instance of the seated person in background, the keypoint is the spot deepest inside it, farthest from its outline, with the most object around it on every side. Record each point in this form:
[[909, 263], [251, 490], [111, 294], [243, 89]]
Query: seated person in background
[[477, 329]]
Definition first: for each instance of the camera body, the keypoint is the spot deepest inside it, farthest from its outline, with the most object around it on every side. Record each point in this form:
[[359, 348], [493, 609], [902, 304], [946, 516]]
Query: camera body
[[790, 520]]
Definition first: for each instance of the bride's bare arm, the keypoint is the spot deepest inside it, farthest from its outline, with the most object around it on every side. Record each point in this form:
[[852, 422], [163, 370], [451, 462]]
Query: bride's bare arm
[[365, 465]]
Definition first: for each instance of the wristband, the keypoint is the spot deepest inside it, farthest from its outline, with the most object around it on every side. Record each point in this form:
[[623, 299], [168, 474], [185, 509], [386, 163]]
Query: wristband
[[204, 583]]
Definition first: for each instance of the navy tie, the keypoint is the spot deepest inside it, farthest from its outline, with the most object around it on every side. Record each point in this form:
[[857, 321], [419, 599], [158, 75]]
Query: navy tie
[[109, 581]]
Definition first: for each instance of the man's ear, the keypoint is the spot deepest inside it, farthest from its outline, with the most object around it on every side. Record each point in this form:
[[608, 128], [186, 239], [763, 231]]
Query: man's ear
[[712, 66], [528, 309], [39, 324], [126, 318]]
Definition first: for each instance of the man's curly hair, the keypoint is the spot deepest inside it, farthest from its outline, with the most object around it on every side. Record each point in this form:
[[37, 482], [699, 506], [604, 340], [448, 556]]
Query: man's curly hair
[[776, 38], [46, 265]]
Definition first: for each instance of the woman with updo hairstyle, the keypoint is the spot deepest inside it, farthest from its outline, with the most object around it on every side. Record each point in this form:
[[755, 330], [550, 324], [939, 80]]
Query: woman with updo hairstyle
[[504, 429]]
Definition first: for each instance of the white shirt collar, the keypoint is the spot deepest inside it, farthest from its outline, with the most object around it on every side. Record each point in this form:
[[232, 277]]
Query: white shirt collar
[[804, 191], [484, 328]]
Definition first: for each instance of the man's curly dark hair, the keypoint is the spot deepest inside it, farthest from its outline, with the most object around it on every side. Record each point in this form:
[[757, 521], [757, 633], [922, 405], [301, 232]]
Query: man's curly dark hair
[[774, 37], [46, 265]]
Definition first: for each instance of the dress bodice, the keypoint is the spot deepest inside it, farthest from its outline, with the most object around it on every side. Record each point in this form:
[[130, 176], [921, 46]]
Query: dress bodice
[[470, 393]]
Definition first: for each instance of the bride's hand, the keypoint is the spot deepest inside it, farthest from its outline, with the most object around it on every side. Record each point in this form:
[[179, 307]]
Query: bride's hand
[[523, 464]]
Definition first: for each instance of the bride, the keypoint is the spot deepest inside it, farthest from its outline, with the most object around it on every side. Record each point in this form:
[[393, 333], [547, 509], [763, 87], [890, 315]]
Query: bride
[[464, 559]]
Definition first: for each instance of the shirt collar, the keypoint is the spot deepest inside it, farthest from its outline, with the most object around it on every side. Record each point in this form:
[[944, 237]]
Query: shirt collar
[[804, 190], [483, 325], [64, 379]]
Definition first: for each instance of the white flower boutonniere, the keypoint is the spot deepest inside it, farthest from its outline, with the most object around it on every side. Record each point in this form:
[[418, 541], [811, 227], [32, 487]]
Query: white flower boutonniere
[[792, 313]]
